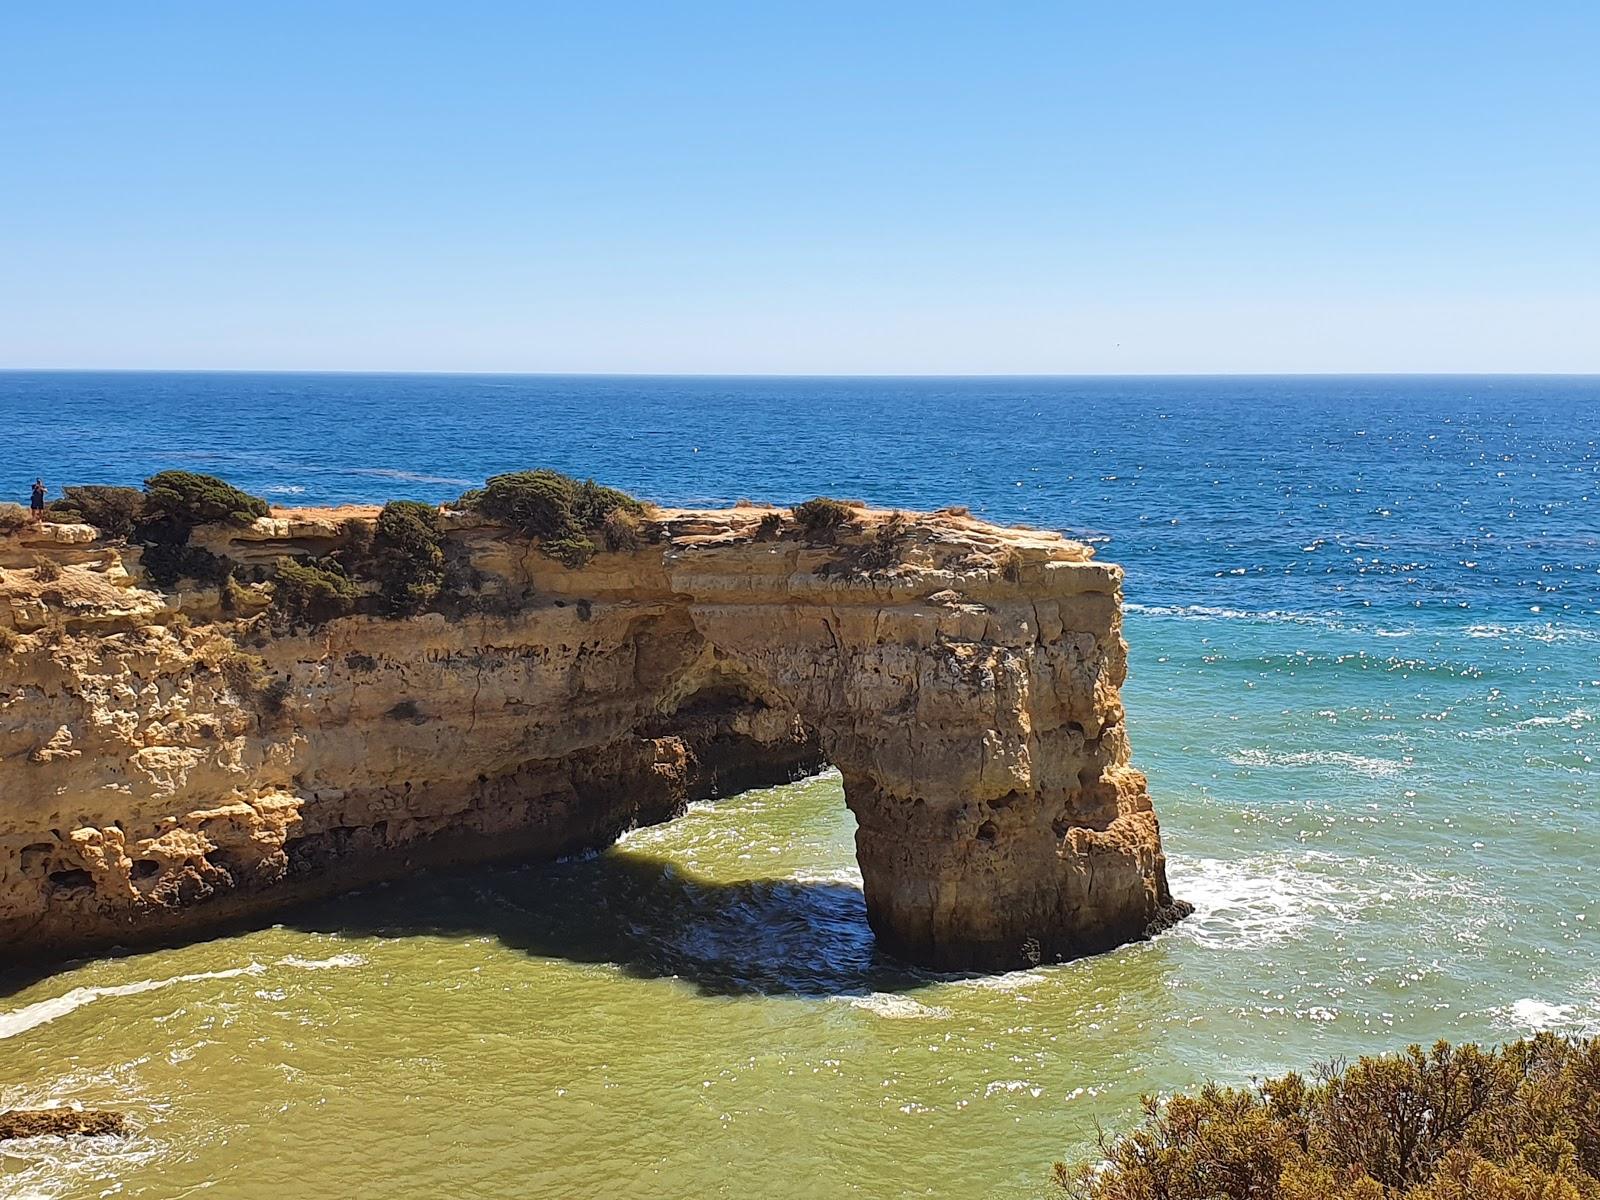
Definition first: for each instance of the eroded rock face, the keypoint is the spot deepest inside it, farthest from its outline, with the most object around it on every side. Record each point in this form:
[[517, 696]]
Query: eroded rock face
[[163, 772]]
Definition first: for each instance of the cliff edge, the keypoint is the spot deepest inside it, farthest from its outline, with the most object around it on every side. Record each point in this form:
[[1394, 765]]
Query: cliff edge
[[174, 758]]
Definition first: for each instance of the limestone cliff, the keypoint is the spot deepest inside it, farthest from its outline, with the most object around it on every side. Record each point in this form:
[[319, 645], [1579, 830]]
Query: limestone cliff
[[166, 765]]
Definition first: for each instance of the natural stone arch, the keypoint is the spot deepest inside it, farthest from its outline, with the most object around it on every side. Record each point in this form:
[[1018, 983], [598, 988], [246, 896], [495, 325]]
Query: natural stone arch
[[979, 735], [963, 678]]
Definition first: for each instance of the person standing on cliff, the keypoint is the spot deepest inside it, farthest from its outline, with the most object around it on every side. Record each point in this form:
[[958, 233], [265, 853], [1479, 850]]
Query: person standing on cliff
[[37, 501]]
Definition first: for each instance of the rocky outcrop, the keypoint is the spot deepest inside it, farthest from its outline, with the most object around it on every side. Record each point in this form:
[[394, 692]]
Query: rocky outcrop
[[60, 1122], [166, 765]]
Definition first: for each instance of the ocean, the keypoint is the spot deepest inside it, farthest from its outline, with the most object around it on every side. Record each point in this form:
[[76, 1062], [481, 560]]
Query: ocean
[[1364, 621]]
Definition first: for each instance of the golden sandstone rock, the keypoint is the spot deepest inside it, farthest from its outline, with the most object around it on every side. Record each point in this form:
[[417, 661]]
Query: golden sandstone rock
[[166, 765]]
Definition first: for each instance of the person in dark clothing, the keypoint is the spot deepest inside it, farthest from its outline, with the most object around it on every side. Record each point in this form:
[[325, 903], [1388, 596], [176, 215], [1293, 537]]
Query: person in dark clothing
[[37, 503]]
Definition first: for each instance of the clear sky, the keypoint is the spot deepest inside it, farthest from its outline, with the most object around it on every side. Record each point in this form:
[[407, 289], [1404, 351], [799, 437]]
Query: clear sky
[[811, 187]]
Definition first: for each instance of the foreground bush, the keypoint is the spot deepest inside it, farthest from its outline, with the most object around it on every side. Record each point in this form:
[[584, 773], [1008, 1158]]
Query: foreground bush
[[1454, 1123], [187, 499], [114, 511], [558, 510]]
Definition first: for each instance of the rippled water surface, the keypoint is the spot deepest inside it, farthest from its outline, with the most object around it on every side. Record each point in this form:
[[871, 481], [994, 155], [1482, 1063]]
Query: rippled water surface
[[1365, 628]]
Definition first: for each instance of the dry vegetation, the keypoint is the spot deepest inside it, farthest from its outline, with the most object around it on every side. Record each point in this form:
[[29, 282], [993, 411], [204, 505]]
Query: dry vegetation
[[1454, 1123], [13, 517], [822, 519]]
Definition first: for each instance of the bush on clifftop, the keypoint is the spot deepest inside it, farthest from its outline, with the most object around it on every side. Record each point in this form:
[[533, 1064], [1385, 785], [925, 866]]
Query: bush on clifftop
[[174, 503], [114, 511], [822, 519], [558, 510], [1455, 1123], [188, 499], [407, 556]]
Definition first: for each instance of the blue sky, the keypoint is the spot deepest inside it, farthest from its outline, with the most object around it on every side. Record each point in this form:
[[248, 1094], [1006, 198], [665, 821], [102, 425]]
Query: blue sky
[[819, 187]]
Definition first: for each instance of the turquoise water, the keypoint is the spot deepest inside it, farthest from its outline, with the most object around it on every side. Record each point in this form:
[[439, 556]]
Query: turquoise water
[[1364, 619]]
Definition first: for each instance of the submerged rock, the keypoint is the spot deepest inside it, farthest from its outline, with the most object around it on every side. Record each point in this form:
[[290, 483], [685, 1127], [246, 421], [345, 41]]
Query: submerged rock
[[60, 1122]]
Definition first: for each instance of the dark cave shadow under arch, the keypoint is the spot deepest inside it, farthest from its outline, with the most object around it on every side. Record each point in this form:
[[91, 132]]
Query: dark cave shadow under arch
[[645, 915]]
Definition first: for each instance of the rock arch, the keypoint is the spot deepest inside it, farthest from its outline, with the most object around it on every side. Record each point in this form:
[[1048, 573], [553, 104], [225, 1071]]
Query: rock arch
[[964, 679], [979, 732]]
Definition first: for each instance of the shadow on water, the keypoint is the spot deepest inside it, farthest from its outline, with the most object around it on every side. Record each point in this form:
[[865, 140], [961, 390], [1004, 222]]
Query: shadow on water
[[645, 915]]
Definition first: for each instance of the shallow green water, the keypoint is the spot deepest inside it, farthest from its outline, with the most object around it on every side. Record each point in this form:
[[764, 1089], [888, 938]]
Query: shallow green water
[[1389, 835]]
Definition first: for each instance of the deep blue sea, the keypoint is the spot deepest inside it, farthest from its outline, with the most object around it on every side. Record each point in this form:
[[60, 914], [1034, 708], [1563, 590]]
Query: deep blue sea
[[1364, 497], [1364, 620]]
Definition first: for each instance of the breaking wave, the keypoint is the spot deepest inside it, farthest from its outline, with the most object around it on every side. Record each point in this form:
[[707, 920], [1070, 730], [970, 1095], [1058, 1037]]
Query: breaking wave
[[42, 1012], [1338, 760]]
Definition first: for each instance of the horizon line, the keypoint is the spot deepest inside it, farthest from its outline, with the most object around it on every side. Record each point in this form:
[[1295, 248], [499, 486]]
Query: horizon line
[[975, 375]]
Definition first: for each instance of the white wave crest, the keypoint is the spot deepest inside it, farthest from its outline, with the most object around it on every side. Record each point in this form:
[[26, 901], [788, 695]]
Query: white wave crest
[[1532, 1015], [997, 1087], [1543, 631], [895, 1007], [1266, 900], [1011, 981], [31, 1016], [1250, 902], [1359, 764], [322, 964], [1207, 612], [848, 876], [1576, 719], [42, 1012]]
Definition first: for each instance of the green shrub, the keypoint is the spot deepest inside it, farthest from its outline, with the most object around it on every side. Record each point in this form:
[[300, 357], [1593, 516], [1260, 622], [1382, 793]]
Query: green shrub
[[174, 503], [407, 556], [1453, 1123], [592, 504], [573, 551], [539, 503], [558, 510], [14, 517], [312, 591], [46, 570], [188, 499], [355, 546], [822, 519], [114, 511]]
